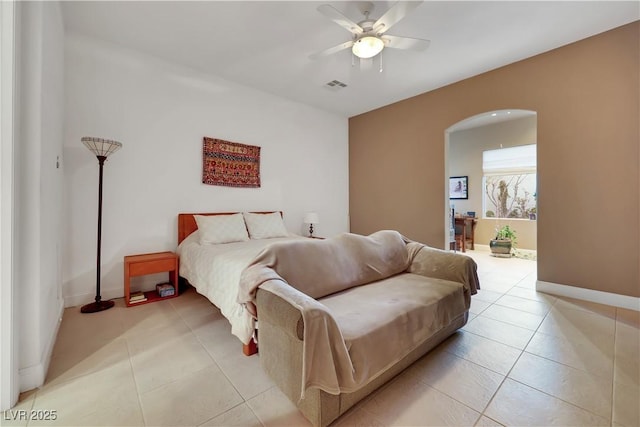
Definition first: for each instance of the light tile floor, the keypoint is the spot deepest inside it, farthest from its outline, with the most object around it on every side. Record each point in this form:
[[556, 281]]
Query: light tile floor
[[524, 358]]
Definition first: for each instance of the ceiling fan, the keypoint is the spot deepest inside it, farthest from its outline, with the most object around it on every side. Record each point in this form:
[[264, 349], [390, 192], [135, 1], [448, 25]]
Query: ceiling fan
[[369, 38]]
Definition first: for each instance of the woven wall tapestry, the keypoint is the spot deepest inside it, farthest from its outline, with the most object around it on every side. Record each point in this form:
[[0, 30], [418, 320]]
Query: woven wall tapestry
[[230, 164]]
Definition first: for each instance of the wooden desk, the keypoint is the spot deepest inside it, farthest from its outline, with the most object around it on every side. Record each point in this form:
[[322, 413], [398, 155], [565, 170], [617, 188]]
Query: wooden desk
[[467, 227]]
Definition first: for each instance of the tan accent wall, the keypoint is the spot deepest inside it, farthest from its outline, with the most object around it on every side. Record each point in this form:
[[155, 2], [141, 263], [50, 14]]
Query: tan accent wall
[[587, 97]]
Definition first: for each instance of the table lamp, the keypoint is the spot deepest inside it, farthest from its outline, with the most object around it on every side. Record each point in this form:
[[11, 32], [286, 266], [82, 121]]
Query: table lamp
[[311, 218]]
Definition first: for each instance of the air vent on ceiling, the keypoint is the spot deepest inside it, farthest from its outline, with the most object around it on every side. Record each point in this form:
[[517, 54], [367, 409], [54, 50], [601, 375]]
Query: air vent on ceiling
[[335, 85]]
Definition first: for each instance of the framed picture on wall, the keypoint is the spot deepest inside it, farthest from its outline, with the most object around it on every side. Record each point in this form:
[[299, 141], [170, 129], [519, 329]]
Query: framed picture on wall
[[458, 187]]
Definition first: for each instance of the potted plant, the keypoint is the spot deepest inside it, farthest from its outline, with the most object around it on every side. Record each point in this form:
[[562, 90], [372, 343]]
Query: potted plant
[[504, 242]]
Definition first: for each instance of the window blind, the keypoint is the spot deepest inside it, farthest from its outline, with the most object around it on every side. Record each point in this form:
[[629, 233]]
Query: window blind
[[510, 160]]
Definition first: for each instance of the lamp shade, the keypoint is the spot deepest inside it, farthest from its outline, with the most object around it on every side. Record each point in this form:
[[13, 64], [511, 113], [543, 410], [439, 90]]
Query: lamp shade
[[367, 47], [311, 218], [101, 147]]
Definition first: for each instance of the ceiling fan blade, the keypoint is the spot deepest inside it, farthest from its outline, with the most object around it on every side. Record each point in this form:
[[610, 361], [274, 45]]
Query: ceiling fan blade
[[336, 16], [406, 43], [395, 14], [332, 50]]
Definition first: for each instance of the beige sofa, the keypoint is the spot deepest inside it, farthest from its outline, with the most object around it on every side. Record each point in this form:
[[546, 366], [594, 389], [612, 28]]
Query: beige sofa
[[339, 318]]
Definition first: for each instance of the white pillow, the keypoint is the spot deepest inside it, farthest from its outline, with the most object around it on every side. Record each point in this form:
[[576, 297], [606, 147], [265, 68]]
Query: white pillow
[[216, 229], [265, 226]]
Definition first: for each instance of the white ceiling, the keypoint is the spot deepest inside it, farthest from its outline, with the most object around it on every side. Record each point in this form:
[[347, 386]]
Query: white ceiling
[[266, 44]]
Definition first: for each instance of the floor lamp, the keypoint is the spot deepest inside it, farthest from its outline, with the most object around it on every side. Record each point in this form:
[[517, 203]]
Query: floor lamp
[[102, 148]]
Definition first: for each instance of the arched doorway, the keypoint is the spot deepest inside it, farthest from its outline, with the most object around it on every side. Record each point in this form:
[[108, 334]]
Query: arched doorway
[[466, 142]]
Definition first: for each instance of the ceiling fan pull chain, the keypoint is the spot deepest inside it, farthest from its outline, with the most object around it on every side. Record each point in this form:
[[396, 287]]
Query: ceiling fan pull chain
[[380, 61], [353, 60]]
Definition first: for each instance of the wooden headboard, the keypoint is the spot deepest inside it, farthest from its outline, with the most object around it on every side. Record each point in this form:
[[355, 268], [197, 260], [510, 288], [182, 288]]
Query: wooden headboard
[[187, 223]]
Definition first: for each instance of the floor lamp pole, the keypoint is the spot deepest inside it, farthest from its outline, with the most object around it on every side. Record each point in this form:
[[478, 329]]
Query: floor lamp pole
[[98, 305], [101, 160], [102, 148]]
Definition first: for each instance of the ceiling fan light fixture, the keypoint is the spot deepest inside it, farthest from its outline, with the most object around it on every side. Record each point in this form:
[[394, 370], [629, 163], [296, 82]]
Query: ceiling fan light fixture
[[367, 47]]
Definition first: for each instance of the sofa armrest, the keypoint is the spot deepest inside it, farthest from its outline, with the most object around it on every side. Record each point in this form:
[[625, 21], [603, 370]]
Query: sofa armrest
[[439, 264], [274, 308]]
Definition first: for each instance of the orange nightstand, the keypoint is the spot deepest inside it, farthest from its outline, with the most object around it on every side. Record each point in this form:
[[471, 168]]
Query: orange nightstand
[[140, 265]]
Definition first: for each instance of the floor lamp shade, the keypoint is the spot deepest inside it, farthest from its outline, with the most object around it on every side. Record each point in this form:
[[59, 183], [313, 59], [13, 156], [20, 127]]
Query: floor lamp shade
[[102, 148]]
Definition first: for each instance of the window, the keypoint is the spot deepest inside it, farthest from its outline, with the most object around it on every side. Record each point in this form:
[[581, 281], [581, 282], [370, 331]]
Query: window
[[510, 182]]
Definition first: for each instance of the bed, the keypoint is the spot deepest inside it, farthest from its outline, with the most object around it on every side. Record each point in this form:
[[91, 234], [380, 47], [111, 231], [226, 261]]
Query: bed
[[214, 268]]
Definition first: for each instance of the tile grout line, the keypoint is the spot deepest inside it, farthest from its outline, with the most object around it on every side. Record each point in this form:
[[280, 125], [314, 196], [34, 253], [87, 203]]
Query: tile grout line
[[543, 391], [135, 382], [138, 392], [33, 403], [216, 363], [505, 376], [244, 400], [230, 409], [560, 399], [500, 342], [562, 363], [475, 363], [551, 335], [421, 381], [613, 372], [511, 369]]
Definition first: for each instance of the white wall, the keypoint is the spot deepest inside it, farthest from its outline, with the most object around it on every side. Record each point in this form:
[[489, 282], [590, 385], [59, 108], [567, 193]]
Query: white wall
[[9, 385], [38, 188], [161, 112]]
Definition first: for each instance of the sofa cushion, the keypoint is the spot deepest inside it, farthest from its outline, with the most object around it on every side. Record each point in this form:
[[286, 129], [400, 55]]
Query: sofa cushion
[[393, 316]]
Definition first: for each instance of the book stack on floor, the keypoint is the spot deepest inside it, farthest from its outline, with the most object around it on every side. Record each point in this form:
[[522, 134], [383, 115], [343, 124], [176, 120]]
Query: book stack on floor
[[165, 289], [137, 297]]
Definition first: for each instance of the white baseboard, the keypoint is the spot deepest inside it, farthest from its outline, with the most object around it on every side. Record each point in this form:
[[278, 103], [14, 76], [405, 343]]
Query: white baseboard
[[31, 377], [34, 376], [607, 298]]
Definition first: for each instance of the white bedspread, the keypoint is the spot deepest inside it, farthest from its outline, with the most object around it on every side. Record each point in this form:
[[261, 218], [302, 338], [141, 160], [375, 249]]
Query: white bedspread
[[214, 270]]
